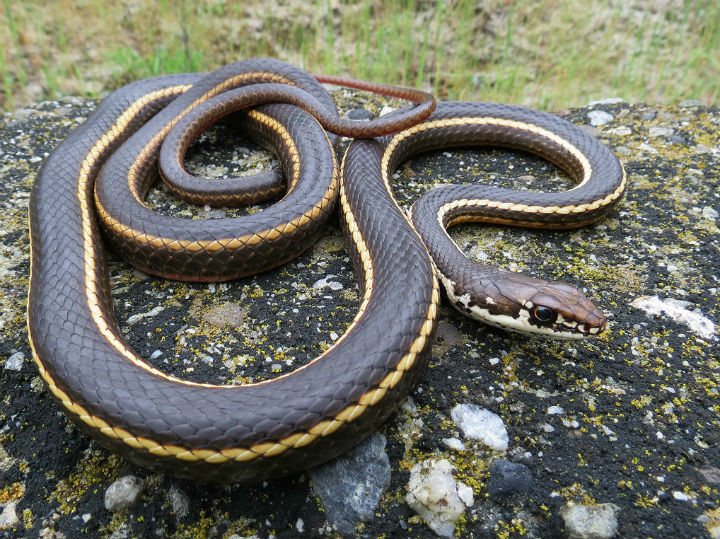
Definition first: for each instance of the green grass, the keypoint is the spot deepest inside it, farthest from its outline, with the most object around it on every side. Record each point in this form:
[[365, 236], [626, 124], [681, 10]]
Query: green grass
[[548, 54]]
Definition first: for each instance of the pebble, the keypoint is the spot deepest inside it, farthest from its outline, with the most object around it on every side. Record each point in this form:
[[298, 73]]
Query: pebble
[[326, 283], [691, 103], [607, 101], [454, 443], [435, 495], [482, 425], [135, 318], [8, 518], [351, 485], [711, 475], [709, 213], [123, 493], [179, 502], [590, 521], [359, 114], [599, 117], [622, 150], [675, 310], [508, 480], [649, 116], [15, 361], [659, 131]]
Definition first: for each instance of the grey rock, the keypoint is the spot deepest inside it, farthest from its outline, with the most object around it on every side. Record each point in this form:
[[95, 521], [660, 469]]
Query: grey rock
[[649, 116], [660, 131], [435, 495], [691, 103], [508, 480], [481, 424], [590, 521], [607, 101], [179, 502], [123, 493], [351, 485], [599, 117], [8, 517], [359, 114], [711, 475], [15, 361]]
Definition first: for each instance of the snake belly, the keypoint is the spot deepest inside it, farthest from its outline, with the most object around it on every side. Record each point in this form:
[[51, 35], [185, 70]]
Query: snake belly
[[201, 431]]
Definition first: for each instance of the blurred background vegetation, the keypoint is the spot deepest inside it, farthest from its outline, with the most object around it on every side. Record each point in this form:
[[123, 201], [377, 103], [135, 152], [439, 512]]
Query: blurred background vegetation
[[548, 54]]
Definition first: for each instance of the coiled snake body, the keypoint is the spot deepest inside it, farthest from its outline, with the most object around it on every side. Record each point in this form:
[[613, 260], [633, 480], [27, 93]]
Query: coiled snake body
[[255, 431]]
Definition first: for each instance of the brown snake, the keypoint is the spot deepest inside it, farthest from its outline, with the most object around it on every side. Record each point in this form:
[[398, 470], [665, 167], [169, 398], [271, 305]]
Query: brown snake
[[254, 431]]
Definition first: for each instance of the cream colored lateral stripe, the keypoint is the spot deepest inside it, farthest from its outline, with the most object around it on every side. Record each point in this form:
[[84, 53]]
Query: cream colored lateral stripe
[[269, 449], [91, 292], [454, 122], [524, 208]]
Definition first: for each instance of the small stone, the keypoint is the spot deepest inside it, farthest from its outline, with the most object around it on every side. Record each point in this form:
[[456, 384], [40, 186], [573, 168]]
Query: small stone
[[123, 493], [599, 117], [8, 518], [711, 475], [658, 131], [607, 101], [351, 485], [677, 139], [179, 502], [122, 532], [325, 282], [508, 480], [649, 116], [15, 361], [681, 496], [647, 148], [435, 495], [454, 443], [709, 213], [300, 525], [480, 424], [359, 114], [555, 410], [622, 150], [134, 319], [691, 103], [590, 521], [675, 310]]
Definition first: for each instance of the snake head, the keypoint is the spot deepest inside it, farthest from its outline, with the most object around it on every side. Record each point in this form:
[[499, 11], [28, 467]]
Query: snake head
[[562, 310], [524, 304]]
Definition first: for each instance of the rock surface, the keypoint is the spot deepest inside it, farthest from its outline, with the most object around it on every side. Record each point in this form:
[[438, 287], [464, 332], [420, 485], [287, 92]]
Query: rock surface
[[629, 419], [351, 485]]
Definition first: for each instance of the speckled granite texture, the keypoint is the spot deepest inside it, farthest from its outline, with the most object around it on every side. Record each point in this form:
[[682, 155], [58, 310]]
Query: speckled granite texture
[[630, 419]]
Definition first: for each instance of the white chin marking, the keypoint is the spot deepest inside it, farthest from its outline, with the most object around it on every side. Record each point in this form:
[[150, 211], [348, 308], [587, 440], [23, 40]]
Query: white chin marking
[[521, 324]]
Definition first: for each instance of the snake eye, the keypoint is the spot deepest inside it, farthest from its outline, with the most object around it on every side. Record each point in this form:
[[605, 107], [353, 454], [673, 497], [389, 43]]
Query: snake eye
[[544, 315]]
